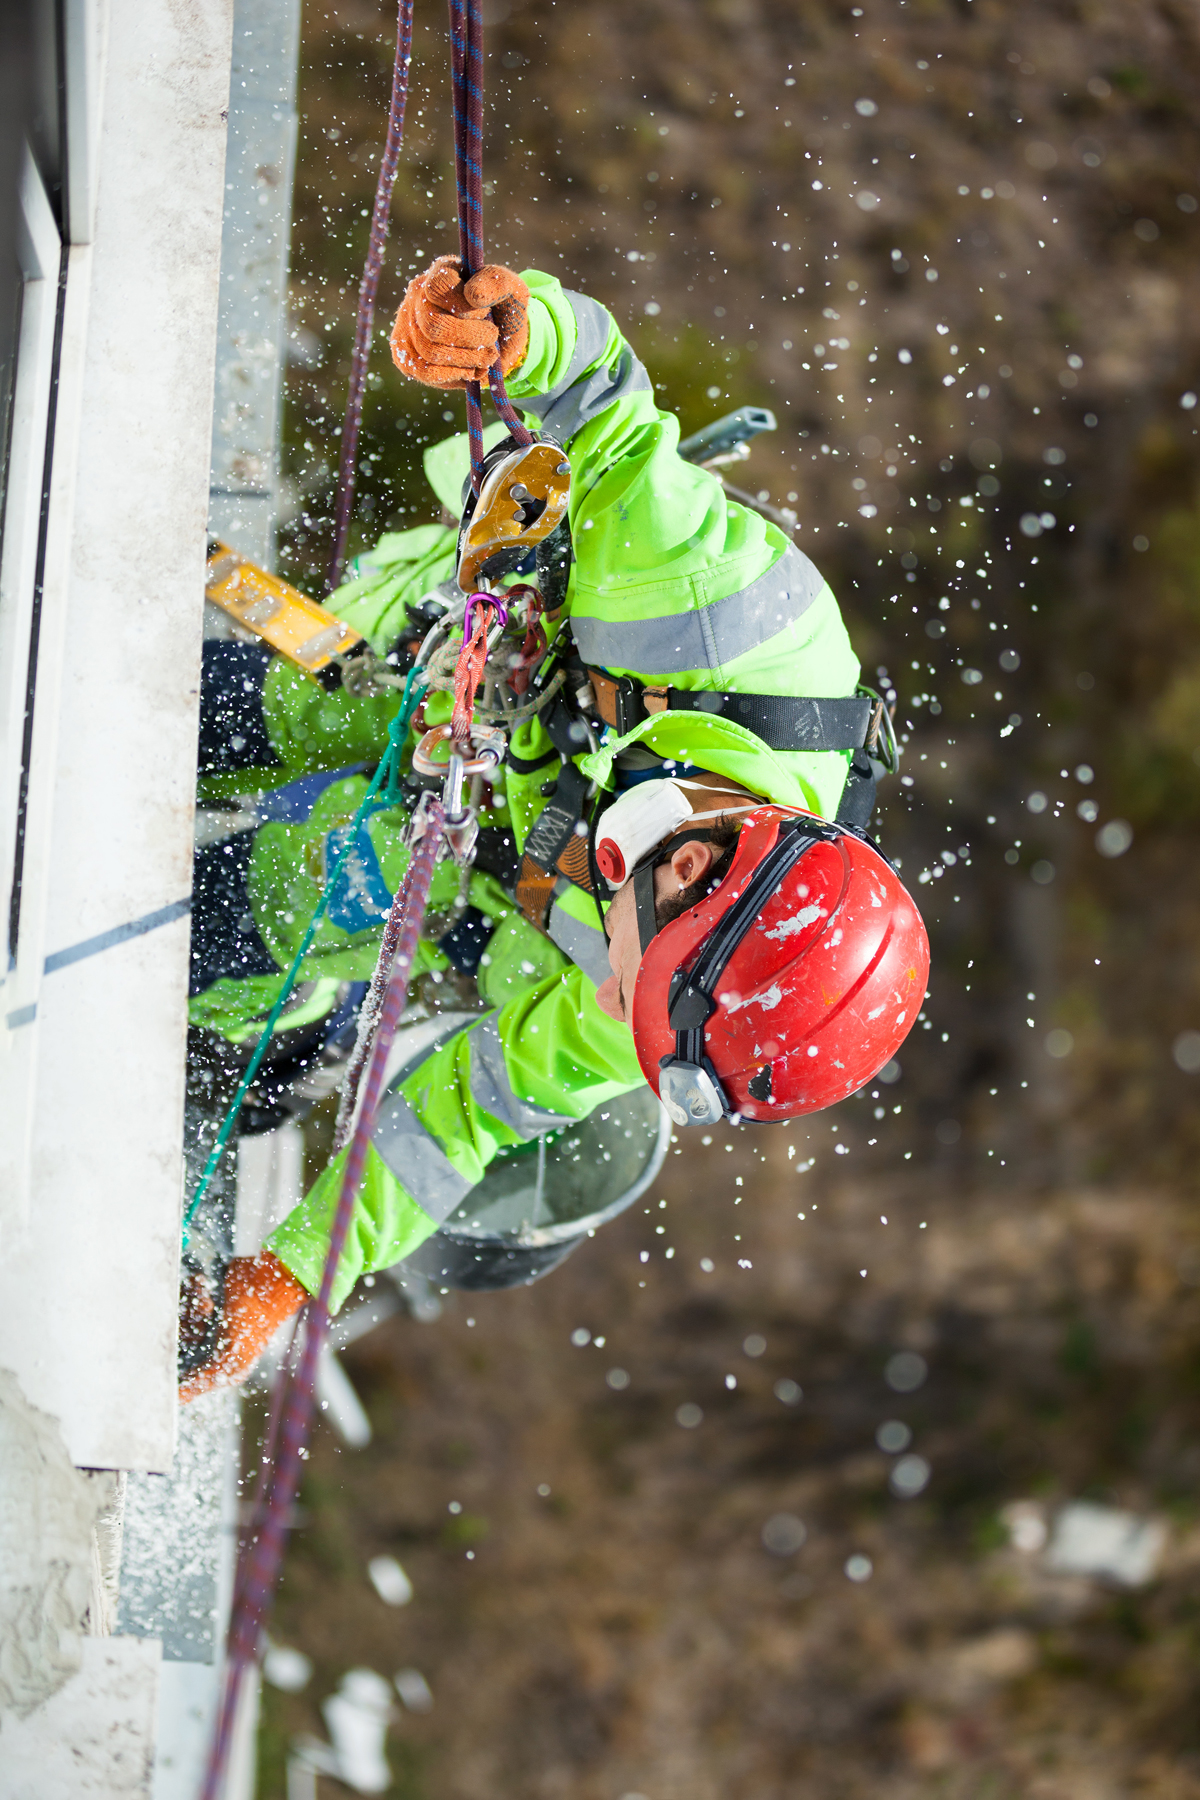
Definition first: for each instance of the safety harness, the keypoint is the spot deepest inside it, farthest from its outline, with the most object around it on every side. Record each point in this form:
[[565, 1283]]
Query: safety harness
[[592, 699]]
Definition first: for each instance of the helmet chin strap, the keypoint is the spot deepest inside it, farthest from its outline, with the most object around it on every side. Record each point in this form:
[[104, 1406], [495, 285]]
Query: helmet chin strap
[[643, 900], [643, 879]]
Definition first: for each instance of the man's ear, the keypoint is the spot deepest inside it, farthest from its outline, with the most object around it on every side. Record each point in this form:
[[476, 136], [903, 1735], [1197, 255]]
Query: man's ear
[[692, 861]]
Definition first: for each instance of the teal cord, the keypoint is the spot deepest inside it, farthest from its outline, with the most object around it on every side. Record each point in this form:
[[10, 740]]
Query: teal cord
[[389, 767]]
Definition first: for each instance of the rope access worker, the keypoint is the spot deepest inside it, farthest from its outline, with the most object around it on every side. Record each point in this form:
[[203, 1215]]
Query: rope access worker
[[762, 957]]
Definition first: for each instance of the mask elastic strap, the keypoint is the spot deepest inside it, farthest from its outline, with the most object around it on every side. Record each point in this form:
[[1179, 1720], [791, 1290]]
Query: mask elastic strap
[[594, 876]]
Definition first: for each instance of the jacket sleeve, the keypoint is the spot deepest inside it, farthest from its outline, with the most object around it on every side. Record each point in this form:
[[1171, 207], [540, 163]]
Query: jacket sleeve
[[313, 728], [546, 1059], [673, 581], [584, 385]]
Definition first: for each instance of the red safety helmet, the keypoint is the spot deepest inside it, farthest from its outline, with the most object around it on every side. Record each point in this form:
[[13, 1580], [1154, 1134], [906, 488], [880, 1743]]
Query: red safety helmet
[[790, 985]]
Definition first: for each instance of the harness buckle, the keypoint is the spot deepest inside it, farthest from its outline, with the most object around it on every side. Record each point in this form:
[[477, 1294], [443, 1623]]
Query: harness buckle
[[619, 700], [880, 742]]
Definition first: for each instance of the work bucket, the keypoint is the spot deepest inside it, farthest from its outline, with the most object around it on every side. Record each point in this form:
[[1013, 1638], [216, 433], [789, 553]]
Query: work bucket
[[538, 1201]]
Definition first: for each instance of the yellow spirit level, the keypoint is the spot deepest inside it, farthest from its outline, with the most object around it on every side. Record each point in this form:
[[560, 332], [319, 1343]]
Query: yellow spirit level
[[287, 620]]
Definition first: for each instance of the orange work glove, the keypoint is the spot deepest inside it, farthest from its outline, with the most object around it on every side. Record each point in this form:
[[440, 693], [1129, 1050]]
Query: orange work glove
[[449, 332], [259, 1295]]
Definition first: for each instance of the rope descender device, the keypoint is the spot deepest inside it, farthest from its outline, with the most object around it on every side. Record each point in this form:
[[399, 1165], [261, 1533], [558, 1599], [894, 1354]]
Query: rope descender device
[[522, 496]]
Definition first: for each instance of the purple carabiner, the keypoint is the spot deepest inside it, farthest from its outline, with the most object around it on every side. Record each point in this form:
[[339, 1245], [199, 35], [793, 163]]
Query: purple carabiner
[[496, 600]]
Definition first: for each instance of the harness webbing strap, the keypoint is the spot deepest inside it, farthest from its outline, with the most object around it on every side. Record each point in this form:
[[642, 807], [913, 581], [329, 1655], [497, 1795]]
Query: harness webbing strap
[[534, 892], [529, 765], [555, 847], [782, 721], [554, 827], [858, 796]]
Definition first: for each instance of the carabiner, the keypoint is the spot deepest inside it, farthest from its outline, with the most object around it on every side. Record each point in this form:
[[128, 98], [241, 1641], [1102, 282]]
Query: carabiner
[[487, 742]]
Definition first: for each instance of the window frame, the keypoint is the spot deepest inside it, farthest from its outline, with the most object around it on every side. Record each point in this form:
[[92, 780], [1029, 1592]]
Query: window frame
[[40, 258]]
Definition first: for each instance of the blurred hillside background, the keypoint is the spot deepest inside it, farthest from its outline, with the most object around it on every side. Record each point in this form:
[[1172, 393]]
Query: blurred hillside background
[[955, 248]]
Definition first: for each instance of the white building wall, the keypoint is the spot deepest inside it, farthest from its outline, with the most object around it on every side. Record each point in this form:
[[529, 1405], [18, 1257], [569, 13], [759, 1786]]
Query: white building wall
[[89, 1282], [94, 1738], [93, 1005]]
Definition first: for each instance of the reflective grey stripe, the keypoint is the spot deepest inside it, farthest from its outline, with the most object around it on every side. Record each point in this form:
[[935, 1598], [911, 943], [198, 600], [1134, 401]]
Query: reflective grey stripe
[[709, 636], [417, 1160], [589, 397], [592, 327], [493, 1091], [584, 944], [413, 1044], [593, 324]]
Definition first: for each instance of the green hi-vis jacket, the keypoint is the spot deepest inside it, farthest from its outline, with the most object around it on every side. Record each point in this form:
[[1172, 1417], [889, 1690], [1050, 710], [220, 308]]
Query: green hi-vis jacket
[[673, 583]]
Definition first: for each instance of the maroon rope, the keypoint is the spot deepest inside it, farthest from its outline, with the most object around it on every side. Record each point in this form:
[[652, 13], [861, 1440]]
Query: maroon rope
[[466, 87], [264, 1555], [370, 1014], [367, 289], [466, 69], [505, 407], [262, 1497], [262, 1558]]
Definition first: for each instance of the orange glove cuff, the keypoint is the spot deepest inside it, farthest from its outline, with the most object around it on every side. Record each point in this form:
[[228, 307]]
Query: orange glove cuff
[[448, 333], [260, 1293]]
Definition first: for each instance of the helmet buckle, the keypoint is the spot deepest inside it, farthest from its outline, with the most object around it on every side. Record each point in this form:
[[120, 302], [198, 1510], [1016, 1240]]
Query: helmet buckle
[[689, 1093], [880, 742]]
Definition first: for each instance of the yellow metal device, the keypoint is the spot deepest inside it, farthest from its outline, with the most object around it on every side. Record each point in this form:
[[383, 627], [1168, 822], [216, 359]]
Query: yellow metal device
[[287, 620], [522, 498]]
